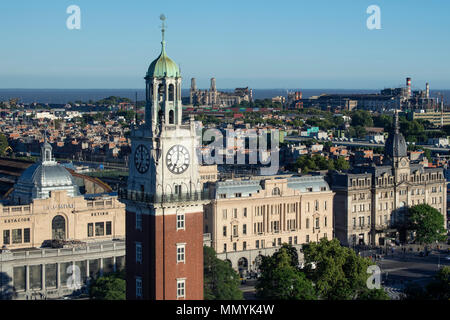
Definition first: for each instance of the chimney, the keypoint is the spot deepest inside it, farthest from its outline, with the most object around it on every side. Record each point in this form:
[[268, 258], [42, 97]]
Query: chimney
[[427, 90], [408, 85]]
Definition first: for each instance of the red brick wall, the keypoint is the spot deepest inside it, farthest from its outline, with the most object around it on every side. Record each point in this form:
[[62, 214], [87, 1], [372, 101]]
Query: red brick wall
[[159, 269]]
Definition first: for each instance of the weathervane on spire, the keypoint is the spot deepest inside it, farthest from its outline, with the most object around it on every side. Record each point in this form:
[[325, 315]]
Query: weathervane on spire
[[162, 17]]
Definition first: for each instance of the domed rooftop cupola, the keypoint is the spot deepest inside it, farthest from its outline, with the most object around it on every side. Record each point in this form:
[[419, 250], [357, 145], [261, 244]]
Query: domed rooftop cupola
[[395, 146], [38, 180], [163, 66]]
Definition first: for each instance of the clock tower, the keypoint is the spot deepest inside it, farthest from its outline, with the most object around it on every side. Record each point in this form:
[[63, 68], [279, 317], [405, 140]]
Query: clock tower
[[164, 197], [396, 153]]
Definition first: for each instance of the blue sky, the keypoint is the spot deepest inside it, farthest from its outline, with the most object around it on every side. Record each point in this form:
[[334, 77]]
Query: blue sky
[[259, 43]]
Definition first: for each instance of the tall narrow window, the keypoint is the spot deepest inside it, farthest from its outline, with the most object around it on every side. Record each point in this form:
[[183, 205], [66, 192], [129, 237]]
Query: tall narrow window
[[180, 220], [138, 287], [181, 288], [99, 229], [6, 237], [138, 221], [171, 92], [90, 229], [138, 252], [235, 231], [181, 247], [26, 235], [17, 236], [108, 228]]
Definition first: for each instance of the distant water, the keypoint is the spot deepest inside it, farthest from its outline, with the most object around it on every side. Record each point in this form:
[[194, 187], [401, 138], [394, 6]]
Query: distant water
[[61, 96]]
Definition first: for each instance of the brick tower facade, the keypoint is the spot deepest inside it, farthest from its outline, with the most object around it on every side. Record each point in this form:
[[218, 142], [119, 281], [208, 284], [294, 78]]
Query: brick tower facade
[[164, 199]]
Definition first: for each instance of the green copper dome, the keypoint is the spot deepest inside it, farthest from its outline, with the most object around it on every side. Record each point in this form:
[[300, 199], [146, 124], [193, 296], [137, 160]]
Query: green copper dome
[[163, 66]]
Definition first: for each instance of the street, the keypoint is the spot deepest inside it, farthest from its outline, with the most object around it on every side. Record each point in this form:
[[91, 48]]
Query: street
[[397, 270]]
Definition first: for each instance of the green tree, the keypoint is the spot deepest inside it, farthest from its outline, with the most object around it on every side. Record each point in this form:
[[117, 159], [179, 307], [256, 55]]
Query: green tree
[[291, 251], [361, 118], [341, 164], [338, 273], [383, 121], [281, 280], [437, 289], [221, 282], [3, 144], [428, 224], [108, 287]]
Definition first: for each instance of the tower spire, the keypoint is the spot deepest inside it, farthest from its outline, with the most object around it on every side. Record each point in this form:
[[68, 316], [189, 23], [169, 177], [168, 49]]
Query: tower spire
[[163, 30], [396, 127]]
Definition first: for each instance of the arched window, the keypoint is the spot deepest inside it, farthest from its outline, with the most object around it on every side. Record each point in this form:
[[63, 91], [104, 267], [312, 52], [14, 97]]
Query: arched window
[[171, 92], [171, 117], [161, 92], [59, 228]]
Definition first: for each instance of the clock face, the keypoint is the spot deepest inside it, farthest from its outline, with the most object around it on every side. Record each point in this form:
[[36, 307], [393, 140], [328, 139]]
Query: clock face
[[142, 159], [403, 162], [177, 159]]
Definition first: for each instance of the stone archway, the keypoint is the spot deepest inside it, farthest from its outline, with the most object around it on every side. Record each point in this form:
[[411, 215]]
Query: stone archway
[[243, 265]]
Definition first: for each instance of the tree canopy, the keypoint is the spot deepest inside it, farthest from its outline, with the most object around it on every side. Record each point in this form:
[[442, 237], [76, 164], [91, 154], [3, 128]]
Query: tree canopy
[[338, 273], [317, 162], [3, 144], [108, 287], [221, 281], [282, 280], [428, 224]]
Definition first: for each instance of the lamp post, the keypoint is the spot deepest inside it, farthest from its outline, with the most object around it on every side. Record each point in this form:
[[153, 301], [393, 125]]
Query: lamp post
[[439, 255]]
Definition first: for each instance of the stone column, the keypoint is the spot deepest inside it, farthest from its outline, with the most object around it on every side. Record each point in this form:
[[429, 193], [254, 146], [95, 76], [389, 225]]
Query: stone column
[[58, 275], [27, 278], [43, 277], [101, 266], [87, 268]]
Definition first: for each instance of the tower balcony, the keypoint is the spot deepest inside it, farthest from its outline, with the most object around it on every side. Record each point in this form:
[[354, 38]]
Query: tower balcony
[[137, 196]]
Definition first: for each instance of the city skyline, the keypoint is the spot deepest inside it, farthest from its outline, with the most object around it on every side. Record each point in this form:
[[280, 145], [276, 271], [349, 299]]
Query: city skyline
[[239, 45]]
